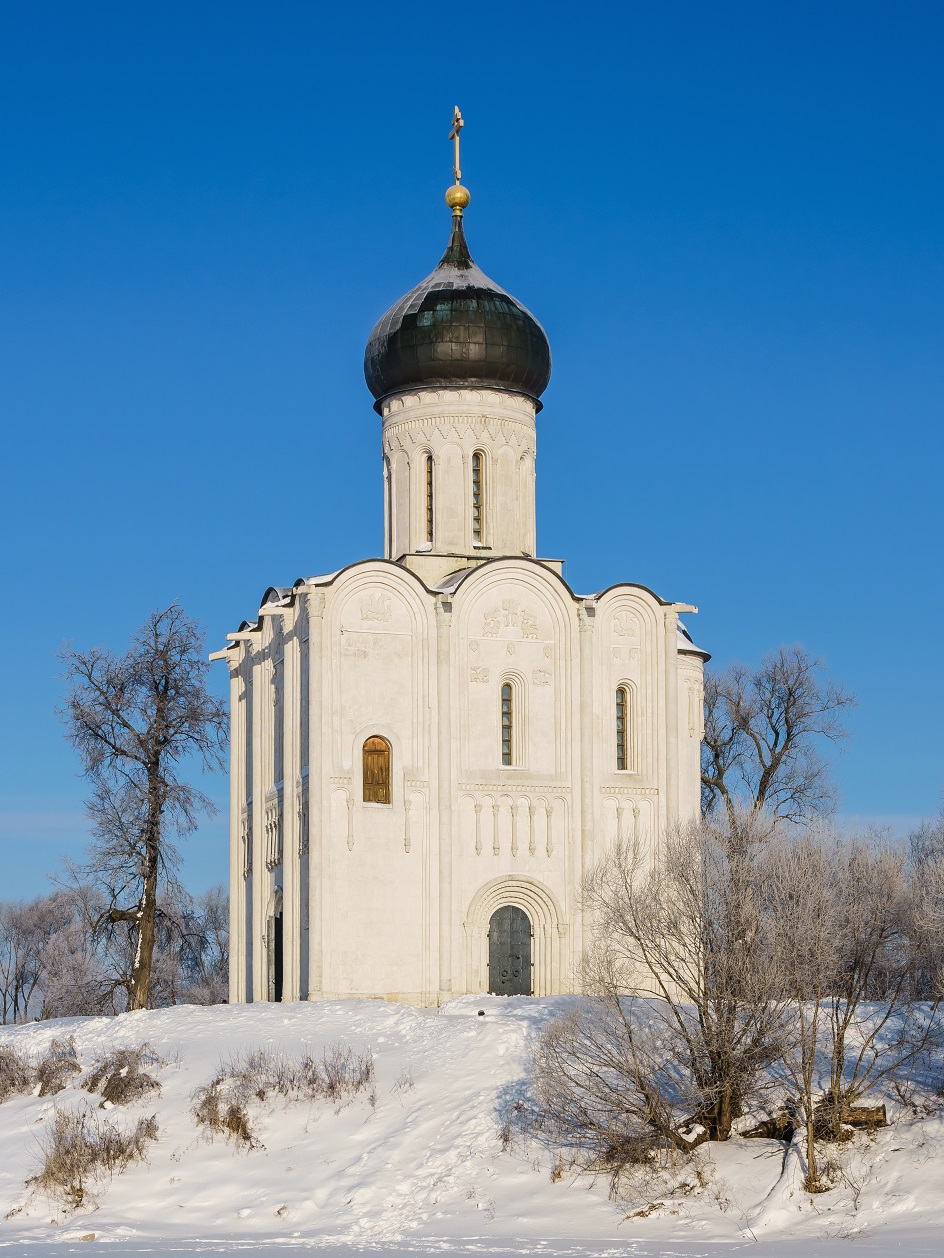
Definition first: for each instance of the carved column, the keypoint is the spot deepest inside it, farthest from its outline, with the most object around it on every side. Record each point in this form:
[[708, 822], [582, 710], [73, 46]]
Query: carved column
[[586, 613], [291, 784], [444, 778], [671, 722], [261, 716], [237, 796], [318, 803]]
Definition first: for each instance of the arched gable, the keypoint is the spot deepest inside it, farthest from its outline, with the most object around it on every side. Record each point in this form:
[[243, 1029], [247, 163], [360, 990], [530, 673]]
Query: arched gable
[[516, 620], [379, 624]]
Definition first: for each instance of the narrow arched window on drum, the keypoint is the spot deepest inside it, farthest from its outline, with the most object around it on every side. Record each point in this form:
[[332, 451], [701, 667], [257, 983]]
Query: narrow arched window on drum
[[376, 771]]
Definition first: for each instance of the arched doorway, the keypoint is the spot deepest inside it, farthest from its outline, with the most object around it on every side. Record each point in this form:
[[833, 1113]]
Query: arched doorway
[[275, 954], [509, 952]]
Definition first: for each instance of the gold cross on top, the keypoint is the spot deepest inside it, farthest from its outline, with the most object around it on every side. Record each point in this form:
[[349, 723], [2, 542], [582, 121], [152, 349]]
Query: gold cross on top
[[457, 125]]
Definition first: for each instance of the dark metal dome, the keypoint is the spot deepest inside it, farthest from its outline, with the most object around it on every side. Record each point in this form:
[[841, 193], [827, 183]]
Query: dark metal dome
[[457, 328]]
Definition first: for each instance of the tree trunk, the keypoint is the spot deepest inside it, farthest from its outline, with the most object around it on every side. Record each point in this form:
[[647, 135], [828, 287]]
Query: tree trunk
[[811, 1184], [139, 993]]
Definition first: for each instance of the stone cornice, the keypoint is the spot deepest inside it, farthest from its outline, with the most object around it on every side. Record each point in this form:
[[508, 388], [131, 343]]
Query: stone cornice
[[449, 400]]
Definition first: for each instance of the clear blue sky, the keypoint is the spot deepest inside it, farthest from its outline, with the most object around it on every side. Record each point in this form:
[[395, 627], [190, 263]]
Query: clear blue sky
[[727, 216]]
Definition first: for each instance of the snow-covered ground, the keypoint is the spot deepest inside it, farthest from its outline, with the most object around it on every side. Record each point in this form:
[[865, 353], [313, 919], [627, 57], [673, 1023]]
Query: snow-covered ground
[[423, 1170]]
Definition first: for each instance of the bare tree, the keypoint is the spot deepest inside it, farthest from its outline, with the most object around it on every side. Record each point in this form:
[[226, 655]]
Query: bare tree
[[134, 720], [846, 931], [25, 934], [687, 1010], [926, 870], [764, 733], [192, 957], [205, 949], [82, 958]]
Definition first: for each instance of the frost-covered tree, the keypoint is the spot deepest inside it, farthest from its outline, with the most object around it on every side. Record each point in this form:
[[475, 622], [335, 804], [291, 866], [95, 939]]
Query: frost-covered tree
[[136, 721], [765, 730], [26, 930], [687, 1009]]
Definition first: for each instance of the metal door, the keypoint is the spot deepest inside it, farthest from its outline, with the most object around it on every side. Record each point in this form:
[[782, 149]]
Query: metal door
[[509, 952], [274, 950]]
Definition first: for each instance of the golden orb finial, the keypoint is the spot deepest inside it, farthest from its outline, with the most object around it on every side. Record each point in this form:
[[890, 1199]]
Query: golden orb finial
[[457, 198]]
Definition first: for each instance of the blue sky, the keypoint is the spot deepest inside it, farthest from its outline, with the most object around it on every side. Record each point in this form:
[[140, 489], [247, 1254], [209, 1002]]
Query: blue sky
[[728, 218]]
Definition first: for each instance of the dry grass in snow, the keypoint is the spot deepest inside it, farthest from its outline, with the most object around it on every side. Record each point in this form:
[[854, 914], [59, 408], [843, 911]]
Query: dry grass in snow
[[81, 1149], [223, 1105]]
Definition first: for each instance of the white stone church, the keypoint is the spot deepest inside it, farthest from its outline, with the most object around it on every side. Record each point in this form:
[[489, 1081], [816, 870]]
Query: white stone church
[[429, 749]]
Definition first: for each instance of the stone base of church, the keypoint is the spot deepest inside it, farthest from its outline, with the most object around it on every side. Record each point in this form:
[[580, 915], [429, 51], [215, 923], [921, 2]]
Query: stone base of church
[[419, 1000]]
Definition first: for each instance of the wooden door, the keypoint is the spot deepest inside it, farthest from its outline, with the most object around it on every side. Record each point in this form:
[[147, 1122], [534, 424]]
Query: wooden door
[[376, 763]]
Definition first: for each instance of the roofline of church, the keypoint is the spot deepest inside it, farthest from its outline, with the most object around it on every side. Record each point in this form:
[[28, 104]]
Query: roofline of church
[[285, 594]]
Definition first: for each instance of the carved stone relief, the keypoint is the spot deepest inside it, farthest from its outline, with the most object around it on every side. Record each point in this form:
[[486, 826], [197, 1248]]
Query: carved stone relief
[[510, 615], [376, 606], [624, 624]]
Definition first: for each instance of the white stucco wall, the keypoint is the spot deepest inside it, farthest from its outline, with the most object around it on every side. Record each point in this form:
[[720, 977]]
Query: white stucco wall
[[451, 425], [399, 895], [394, 900]]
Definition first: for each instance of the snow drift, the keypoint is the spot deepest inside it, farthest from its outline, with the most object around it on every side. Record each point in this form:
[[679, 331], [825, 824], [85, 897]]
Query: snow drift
[[415, 1161]]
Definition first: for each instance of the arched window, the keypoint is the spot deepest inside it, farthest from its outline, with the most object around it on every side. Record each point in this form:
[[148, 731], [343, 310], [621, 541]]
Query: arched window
[[429, 497], [388, 504], [625, 728], [478, 496], [507, 723], [622, 761], [376, 771]]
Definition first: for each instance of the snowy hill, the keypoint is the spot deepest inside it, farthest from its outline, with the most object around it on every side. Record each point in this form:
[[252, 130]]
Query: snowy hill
[[420, 1166]]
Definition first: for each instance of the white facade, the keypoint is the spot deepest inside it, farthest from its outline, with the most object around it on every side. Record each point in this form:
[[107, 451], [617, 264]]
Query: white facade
[[334, 896]]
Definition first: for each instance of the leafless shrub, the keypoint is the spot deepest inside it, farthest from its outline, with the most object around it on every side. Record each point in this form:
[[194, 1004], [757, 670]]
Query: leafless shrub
[[341, 1073], [119, 1076], [57, 1066], [688, 1012], [404, 1081], [80, 1149], [222, 1113], [16, 1074], [587, 1098], [223, 1105]]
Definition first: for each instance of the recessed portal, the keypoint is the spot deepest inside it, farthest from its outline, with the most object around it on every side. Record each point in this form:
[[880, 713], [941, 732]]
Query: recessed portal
[[509, 952], [275, 951]]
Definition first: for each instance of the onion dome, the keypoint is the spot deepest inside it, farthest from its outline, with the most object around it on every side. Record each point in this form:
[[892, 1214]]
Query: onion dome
[[457, 328]]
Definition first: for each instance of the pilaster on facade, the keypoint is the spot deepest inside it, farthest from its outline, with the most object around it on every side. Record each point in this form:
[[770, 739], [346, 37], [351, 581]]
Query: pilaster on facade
[[259, 882], [237, 913], [291, 873], [319, 820], [442, 911]]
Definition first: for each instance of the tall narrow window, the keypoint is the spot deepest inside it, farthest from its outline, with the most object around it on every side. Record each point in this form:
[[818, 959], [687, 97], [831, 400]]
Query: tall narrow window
[[388, 513], [507, 724], [478, 495], [622, 747], [376, 771], [429, 497]]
